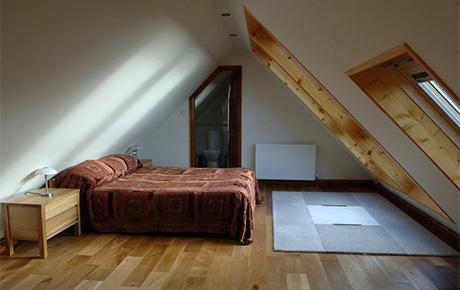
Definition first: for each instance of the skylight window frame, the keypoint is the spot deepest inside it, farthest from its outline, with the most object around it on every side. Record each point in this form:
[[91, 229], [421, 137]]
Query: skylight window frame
[[442, 99], [387, 80]]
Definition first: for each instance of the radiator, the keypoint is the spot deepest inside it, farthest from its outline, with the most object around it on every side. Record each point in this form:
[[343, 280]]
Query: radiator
[[286, 161]]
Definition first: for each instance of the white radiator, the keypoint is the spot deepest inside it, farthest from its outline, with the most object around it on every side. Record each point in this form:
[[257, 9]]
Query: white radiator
[[286, 161]]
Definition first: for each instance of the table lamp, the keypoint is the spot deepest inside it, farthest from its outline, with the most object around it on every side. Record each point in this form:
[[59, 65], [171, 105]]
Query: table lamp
[[134, 149], [46, 171]]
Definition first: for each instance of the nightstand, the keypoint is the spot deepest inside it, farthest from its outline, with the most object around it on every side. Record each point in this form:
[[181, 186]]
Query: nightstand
[[146, 162], [33, 217]]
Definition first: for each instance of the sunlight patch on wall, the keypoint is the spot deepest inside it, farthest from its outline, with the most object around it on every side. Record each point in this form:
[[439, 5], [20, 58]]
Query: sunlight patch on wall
[[146, 104], [114, 107]]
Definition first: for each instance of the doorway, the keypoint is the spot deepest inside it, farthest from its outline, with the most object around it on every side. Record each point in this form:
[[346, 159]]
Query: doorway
[[215, 120]]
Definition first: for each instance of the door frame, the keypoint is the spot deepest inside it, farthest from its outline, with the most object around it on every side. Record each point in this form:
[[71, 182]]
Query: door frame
[[235, 116]]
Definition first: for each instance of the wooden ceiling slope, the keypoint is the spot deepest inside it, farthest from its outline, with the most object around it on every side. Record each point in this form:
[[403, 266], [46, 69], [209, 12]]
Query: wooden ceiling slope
[[333, 115], [383, 80]]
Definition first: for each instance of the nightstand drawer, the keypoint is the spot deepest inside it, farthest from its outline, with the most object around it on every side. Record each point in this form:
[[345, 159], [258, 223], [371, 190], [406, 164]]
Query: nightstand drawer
[[61, 206], [62, 221]]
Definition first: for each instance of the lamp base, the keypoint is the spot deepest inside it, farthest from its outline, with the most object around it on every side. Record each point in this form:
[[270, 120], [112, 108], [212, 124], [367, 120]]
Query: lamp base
[[46, 193]]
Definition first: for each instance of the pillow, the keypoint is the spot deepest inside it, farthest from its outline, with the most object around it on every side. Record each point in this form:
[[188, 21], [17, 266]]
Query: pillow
[[118, 165], [93, 172], [131, 161]]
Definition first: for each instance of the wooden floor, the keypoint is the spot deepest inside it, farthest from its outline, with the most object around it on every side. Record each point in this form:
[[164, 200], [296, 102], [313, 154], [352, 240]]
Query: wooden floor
[[154, 261]]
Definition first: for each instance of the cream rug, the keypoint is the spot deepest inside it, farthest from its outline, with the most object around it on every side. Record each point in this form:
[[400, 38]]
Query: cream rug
[[336, 222]]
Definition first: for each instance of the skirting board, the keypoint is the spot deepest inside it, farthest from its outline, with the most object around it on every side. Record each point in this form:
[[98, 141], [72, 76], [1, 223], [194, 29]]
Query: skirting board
[[444, 233]]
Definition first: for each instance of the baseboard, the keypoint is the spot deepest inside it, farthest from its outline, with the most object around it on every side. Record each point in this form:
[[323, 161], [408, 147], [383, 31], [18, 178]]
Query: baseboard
[[444, 233]]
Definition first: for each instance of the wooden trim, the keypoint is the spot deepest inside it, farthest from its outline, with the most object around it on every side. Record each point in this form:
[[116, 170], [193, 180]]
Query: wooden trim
[[444, 233], [238, 76], [411, 87], [239, 85], [423, 64], [398, 51], [378, 60], [191, 110]]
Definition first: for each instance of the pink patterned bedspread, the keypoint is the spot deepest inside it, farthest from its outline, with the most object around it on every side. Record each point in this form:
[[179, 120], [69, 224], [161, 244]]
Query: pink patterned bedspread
[[174, 199]]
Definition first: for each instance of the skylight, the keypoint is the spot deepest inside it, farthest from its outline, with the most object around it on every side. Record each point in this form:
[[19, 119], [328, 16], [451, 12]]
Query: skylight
[[442, 99], [435, 91], [418, 101]]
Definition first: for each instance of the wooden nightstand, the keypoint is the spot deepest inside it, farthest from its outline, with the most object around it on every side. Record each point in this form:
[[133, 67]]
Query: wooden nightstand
[[33, 217], [146, 162]]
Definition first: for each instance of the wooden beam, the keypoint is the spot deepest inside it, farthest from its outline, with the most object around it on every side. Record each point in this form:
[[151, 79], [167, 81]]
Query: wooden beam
[[333, 115]]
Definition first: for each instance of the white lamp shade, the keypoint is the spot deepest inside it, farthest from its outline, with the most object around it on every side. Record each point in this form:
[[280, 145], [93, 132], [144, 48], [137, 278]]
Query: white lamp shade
[[46, 171]]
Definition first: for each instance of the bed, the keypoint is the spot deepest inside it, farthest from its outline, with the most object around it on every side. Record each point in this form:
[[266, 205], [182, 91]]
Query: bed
[[118, 194]]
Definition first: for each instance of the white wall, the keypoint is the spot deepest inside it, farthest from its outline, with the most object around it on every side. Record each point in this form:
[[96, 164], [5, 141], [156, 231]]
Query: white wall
[[331, 37], [82, 79], [169, 144], [270, 114]]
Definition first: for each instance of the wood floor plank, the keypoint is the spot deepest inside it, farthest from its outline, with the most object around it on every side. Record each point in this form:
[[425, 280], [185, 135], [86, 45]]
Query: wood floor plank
[[109, 265], [97, 244], [436, 277], [170, 256], [155, 280], [111, 245], [317, 277], [335, 273], [404, 286], [355, 274], [9, 266], [417, 278], [15, 276], [202, 263], [258, 269], [77, 276], [451, 277], [195, 283], [373, 272], [141, 247], [295, 263], [179, 272], [120, 273], [297, 281], [391, 272], [88, 285], [217, 277], [29, 282], [276, 268], [61, 274], [238, 272], [138, 276]]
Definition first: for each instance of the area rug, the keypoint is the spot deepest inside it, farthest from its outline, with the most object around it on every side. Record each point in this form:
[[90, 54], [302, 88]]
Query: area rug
[[336, 222]]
